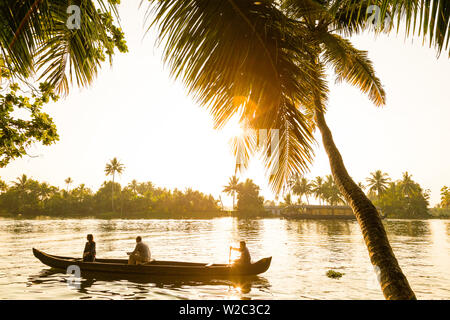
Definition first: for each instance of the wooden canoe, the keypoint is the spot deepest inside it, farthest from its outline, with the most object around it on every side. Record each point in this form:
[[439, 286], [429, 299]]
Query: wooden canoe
[[163, 268]]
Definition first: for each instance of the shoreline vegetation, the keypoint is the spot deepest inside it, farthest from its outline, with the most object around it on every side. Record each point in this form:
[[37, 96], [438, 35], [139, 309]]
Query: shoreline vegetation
[[27, 198]]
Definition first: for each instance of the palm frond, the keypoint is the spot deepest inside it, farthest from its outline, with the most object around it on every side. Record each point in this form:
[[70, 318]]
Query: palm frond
[[35, 32], [242, 56], [429, 19], [352, 65]]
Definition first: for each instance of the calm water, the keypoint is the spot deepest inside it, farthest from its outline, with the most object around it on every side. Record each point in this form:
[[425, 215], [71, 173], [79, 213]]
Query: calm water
[[303, 251]]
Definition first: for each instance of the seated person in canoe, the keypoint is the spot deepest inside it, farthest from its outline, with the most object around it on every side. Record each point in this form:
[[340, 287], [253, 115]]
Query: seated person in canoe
[[244, 258], [141, 253], [89, 249]]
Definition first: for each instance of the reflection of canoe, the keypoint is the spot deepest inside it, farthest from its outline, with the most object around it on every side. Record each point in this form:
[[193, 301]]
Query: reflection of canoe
[[155, 267], [245, 283]]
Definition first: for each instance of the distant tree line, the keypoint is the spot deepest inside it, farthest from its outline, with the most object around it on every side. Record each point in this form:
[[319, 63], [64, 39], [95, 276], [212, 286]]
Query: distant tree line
[[29, 197], [403, 198]]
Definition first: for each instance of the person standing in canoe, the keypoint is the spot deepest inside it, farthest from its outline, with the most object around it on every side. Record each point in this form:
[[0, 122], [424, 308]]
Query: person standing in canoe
[[141, 253], [89, 249], [245, 258]]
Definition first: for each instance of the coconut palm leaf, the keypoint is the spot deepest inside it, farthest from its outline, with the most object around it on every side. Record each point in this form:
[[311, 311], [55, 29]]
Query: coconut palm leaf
[[429, 19], [34, 32], [243, 57], [352, 65]]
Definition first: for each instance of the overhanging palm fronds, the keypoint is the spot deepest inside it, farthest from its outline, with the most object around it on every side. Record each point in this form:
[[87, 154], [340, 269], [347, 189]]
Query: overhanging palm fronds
[[34, 33], [352, 65], [243, 56], [429, 19]]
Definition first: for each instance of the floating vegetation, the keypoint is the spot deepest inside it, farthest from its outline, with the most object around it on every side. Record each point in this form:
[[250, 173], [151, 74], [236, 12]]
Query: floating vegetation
[[334, 274]]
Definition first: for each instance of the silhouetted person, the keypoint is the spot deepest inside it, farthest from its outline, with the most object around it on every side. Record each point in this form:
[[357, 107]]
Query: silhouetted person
[[141, 253], [244, 259], [89, 249]]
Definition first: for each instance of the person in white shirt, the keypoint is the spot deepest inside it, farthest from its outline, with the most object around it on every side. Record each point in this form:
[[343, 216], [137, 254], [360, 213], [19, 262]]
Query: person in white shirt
[[141, 253]]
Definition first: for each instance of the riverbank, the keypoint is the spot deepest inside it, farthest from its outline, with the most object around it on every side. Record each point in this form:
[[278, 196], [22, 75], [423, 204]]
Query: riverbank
[[138, 216]]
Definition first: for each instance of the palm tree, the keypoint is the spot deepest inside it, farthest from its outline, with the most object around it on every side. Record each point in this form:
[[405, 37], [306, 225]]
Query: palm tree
[[133, 185], [302, 188], [378, 182], [114, 166], [281, 85], [45, 191], [35, 36], [423, 18], [22, 182], [331, 191], [318, 189], [3, 186], [68, 181], [232, 188], [353, 66], [407, 184]]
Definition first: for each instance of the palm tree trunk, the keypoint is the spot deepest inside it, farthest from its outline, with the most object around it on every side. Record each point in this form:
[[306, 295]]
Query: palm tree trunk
[[112, 194], [393, 282], [234, 193]]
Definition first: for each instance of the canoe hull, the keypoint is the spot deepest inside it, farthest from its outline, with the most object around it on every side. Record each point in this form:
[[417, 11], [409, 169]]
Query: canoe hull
[[160, 268]]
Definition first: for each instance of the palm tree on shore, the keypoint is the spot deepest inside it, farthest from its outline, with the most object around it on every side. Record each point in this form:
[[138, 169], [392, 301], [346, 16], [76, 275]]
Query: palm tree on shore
[[232, 188], [318, 189], [407, 184], [378, 182], [21, 183], [303, 187], [281, 85], [68, 182], [3, 186], [112, 168], [133, 185], [331, 192]]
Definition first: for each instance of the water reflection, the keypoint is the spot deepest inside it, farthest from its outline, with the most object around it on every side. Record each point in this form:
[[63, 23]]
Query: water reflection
[[247, 228], [410, 228], [145, 284], [303, 251]]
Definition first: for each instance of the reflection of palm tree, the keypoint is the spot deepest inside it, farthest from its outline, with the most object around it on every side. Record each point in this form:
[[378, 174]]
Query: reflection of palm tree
[[378, 182], [232, 188], [284, 76], [114, 166], [68, 181]]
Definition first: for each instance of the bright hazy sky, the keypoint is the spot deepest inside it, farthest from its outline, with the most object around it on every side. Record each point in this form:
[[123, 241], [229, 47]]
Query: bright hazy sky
[[135, 112]]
